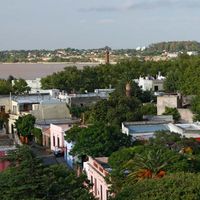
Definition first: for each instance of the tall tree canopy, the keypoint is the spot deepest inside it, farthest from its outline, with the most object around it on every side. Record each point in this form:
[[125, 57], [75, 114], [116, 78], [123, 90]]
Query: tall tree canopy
[[164, 154], [25, 125], [5, 87], [20, 86], [172, 186], [179, 72], [97, 140], [27, 178]]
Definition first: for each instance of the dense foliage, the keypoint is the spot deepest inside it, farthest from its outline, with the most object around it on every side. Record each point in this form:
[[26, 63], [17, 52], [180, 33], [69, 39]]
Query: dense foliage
[[173, 186], [20, 86], [97, 140], [25, 125], [29, 179], [120, 107], [174, 112], [4, 120], [5, 87], [165, 154], [38, 135], [174, 46], [182, 75], [196, 107]]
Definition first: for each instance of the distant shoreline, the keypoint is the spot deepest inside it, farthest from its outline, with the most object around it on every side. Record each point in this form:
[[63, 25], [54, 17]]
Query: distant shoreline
[[53, 63], [30, 71]]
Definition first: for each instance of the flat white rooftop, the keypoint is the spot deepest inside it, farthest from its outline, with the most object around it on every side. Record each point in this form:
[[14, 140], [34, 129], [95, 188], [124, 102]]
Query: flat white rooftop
[[189, 127]]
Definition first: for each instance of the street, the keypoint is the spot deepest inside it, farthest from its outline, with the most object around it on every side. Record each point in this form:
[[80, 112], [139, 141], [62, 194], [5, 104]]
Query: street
[[48, 158]]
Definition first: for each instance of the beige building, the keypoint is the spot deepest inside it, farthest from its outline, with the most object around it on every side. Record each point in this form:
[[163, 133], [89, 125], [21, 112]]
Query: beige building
[[168, 100], [43, 107], [176, 101], [5, 103]]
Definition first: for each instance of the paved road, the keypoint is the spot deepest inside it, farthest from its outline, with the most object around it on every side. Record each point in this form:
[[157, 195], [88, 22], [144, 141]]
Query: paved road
[[47, 158], [52, 160]]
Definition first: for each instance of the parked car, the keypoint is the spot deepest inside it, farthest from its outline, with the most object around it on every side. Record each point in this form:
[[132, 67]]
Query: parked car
[[58, 152]]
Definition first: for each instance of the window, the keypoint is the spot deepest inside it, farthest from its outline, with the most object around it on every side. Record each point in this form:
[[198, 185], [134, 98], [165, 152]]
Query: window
[[58, 141], [95, 165], [107, 194], [91, 180], [156, 88], [101, 169], [101, 192], [95, 186], [15, 109], [2, 108], [54, 141]]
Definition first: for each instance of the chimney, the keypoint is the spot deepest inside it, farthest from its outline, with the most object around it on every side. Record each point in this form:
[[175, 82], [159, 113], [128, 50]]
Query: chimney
[[128, 89], [107, 57]]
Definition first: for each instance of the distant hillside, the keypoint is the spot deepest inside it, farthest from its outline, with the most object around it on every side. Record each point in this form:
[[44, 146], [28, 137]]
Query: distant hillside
[[174, 46]]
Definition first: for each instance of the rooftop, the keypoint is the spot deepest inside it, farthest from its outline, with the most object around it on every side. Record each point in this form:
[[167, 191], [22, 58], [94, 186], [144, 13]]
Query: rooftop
[[57, 121], [31, 98], [189, 127], [103, 161], [147, 128]]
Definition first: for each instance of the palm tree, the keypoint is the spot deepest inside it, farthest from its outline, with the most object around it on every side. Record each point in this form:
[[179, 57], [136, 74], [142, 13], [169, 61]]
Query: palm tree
[[151, 164]]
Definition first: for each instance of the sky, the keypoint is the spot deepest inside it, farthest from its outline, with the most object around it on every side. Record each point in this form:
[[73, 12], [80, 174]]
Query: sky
[[51, 24]]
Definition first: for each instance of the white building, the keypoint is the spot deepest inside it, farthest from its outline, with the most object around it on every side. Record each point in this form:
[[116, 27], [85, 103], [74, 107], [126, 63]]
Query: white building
[[187, 130], [150, 83], [143, 130], [86, 99], [192, 53], [36, 88]]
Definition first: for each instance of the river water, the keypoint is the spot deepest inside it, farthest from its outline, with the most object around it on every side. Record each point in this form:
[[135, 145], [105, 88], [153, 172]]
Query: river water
[[38, 70]]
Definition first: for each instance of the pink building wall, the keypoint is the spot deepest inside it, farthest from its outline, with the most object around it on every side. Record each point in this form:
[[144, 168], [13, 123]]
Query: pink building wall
[[96, 174], [4, 164], [57, 135]]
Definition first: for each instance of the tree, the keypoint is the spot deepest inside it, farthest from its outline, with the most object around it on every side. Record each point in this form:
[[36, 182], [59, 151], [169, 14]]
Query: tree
[[38, 135], [21, 87], [172, 186], [144, 162], [117, 161], [149, 109], [4, 120], [10, 78], [116, 110], [174, 112], [97, 140], [196, 107], [27, 178], [25, 125], [165, 153], [5, 87], [155, 163]]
